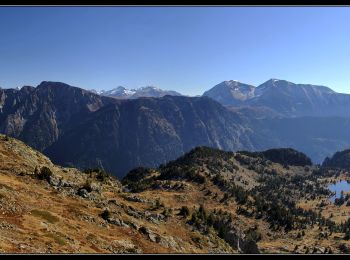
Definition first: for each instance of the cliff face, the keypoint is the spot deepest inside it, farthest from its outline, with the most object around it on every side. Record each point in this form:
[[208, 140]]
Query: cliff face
[[40, 115]]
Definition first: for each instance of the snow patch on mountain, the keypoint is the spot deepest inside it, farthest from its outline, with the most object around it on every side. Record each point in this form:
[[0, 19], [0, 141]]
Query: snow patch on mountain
[[146, 91]]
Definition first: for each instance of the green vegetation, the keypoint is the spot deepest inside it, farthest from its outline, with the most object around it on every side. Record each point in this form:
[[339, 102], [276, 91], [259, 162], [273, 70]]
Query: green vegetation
[[283, 156], [175, 171], [184, 211], [274, 198], [221, 222], [340, 201], [136, 180], [44, 174], [157, 204], [45, 215], [98, 174], [287, 156], [253, 234], [58, 239], [106, 214], [340, 160], [167, 212]]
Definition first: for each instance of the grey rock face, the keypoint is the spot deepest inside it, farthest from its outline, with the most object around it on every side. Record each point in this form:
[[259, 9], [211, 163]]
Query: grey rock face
[[83, 193], [54, 181], [231, 92], [151, 235]]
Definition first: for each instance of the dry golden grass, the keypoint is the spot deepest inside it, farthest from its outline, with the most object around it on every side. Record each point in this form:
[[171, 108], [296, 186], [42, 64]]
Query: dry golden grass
[[36, 217]]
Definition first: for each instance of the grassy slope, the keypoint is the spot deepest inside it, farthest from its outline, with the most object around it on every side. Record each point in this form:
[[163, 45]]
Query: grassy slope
[[38, 217]]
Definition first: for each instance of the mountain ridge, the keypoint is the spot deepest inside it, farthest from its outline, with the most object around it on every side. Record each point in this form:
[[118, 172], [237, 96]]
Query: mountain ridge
[[82, 129], [290, 99]]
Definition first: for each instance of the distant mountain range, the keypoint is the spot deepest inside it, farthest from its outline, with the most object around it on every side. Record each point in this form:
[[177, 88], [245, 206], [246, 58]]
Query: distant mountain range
[[76, 127], [284, 98], [148, 91]]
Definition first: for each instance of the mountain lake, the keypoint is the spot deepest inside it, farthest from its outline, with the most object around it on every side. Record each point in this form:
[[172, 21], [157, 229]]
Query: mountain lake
[[338, 188]]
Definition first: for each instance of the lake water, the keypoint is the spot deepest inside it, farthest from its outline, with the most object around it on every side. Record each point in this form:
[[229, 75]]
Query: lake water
[[338, 187]]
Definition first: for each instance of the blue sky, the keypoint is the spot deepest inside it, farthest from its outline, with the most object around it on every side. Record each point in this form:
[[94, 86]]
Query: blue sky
[[188, 49]]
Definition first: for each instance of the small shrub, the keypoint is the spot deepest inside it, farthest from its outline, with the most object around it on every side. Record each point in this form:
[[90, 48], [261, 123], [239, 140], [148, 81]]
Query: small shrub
[[158, 204], [88, 186], [253, 234], [344, 248], [184, 211], [44, 174], [100, 174], [106, 214], [59, 240], [45, 215], [221, 232], [167, 212]]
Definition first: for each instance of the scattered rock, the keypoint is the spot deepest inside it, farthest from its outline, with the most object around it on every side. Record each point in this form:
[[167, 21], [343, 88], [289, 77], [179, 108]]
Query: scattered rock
[[5, 225], [134, 213], [89, 219], [118, 222], [124, 224], [83, 193], [238, 240], [135, 199], [344, 248], [95, 187], [53, 181], [156, 218], [169, 242], [134, 226], [115, 221], [127, 247], [114, 202], [319, 250], [151, 235], [66, 184]]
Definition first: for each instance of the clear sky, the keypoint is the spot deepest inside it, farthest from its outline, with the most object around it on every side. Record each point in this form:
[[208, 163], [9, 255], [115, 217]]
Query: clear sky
[[187, 49]]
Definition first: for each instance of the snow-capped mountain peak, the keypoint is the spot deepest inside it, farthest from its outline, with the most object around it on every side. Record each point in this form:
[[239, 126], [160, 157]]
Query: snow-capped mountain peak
[[146, 91]]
